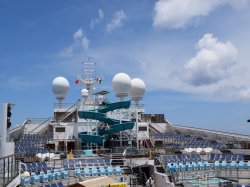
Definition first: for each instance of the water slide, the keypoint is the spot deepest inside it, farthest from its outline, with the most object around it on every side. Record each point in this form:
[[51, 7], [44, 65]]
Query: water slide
[[114, 126]]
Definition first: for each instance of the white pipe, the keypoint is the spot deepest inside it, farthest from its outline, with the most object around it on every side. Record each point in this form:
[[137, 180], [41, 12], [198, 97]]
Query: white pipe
[[120, 118], [136, 126]]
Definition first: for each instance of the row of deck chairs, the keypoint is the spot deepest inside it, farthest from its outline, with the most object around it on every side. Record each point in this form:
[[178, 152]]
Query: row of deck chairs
[[24, 149], [80, 163], [34, 167], [33, 140], [171, 135], [232, 165], [32, 143], [181, 158], [98, 171], [241, 185], [200, 165], [191, 141], [29, 143], [182, 146], [59, 184], [49, 176], [203, 145], [42, 177], [205, 165], [226, 157], [36, 137]]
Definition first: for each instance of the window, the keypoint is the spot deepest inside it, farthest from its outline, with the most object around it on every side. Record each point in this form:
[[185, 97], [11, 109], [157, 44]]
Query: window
[[60, 129], [142, 128]]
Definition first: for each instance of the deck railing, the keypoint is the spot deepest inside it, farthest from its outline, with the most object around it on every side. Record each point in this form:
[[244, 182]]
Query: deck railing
[[9, 169]]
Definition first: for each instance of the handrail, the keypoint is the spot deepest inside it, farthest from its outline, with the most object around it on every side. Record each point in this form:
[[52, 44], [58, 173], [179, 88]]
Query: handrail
[[18, 127], [43, 129], [141, 175], [67, 113], [9, 169], [48, 119], [158, 129], [124, 154], [7, 156], [214, 131]]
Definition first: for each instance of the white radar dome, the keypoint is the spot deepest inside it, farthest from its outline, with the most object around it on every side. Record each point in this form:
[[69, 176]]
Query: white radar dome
[[137, 89], [60, 87], [121, 84], [84, 92]]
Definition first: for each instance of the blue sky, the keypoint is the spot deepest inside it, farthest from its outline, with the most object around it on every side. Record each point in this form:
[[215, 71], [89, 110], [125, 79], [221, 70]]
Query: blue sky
[[192, 55]]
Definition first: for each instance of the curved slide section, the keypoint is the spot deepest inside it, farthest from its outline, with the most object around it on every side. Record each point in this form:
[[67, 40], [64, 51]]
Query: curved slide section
[[100, 115], [117, 128], [91, 138], [114, 106]]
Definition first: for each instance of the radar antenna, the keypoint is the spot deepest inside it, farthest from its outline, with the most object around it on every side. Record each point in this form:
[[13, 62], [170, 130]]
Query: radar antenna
[[88, 76]]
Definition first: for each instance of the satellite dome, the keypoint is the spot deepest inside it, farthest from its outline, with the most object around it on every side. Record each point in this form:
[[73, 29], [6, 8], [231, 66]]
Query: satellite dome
[[84, 92], [137, 89], [121, 84], [60, 87]]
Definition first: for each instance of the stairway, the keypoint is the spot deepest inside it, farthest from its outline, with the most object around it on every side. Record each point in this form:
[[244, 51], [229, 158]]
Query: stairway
[[68, 112], [35, 128], [141, 176], [160, 169], [127, 170], [134, 181], [147, 143], [117, 159]]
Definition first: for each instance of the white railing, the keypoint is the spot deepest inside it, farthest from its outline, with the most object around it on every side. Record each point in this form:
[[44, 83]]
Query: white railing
[[40, 126], [158, 127], [62, 105], [18, 128], [69, 111], [239, 136]]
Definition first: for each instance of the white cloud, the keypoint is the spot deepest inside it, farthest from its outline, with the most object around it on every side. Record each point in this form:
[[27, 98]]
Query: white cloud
[[81, 42], [100, 13], [178, 13], [85, 42], [97, 20], [78, 34], [117, 21], [244, 94], [19, 83], [66, 52], [212, 62]]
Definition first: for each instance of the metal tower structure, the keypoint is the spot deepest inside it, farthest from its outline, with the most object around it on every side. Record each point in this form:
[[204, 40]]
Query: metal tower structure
[[88, 77]]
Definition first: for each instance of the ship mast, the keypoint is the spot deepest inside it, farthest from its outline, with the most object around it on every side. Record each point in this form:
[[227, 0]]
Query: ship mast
[[88, 77]]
